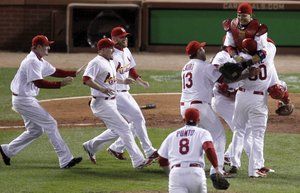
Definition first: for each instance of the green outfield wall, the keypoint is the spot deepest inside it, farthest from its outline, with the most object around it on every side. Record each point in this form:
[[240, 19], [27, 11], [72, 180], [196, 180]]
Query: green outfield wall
[[179, 26]]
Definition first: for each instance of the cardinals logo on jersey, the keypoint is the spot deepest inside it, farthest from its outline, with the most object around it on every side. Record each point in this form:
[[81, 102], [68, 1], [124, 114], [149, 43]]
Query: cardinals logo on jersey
[[109, 79], [122, 69]]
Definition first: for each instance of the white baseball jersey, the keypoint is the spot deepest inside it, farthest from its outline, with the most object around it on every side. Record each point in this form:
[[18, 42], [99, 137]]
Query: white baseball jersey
[[185, 145], [198, 78], [103, 72], [265, 79], [124, 61], [31, 69]]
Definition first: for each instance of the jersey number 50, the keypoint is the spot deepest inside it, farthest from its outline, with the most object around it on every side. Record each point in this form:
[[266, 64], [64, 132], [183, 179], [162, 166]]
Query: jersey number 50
[[184, 146], [187, 81]]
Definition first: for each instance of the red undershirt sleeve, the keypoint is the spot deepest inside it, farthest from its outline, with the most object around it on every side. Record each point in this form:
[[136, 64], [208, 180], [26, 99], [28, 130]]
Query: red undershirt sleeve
[[63, 73], [85, 78], [46, 84], [211, 155], [133, 73]]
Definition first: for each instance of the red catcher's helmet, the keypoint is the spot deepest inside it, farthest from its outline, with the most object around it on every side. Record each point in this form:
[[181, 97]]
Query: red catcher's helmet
[[192, 115], [245, 8], [250, 46]]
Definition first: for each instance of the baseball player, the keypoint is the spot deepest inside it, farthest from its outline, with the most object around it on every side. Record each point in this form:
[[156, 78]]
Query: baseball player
[[251, 106], [198, 78], [25, 87], [127, 106], [223, 102], [100, 75], [182, 155], [244, 26]]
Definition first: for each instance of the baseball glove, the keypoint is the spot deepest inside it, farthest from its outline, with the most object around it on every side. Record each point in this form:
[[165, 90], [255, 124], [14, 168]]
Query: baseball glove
[[219, 182], [284, 109], [232, 71]]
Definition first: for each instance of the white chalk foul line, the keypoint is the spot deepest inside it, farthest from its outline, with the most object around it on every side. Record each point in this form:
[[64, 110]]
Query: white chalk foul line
[[83, 97]]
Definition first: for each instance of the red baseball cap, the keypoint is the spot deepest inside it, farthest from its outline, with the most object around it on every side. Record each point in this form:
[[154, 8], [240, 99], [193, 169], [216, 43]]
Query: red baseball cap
[[41, 40], [193, 46], [192, 115], [119, 32], [245, 8], [105, 43]]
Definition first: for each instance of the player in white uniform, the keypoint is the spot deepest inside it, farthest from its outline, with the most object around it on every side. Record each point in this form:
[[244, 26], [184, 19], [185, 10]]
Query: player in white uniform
[[25, 87], [182, 156], [126, 104], [100, 75], [198, 79], [223, 102], [251, 106]]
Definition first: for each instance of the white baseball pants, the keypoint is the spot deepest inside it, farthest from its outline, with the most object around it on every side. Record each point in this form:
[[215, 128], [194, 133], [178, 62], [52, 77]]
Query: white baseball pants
[[211, 122], [252, 107], [131, 111], [224, 107], [117, 126], [187, 180], [37, 120]]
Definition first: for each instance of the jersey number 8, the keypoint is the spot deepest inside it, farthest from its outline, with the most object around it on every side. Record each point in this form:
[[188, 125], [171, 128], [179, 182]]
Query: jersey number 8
[[184, 146]]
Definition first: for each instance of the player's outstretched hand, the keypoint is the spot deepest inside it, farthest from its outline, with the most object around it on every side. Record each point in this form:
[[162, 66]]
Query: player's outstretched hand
[[143, 83], [66, 81], [81, 69]]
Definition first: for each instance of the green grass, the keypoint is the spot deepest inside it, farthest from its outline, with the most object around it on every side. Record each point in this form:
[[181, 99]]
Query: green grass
[[160, 81], [35, 169]]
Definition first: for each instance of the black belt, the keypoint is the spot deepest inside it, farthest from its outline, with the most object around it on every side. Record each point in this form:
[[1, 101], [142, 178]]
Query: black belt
[[254, 92], [122, 90], [106, 98], [193, 102], [14, 94], [191, 165]]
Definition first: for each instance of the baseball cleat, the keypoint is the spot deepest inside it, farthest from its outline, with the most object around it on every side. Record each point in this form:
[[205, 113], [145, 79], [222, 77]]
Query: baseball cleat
[[154, 156], [91, 156], [145, 163], [117, 155], [227, 161], [6, 159], [258, 174], [73, 162], [266, 170]]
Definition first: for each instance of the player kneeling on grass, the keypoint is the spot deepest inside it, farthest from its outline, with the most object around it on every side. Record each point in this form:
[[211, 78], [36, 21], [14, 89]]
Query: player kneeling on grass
[[181, 155], [25, 87]]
